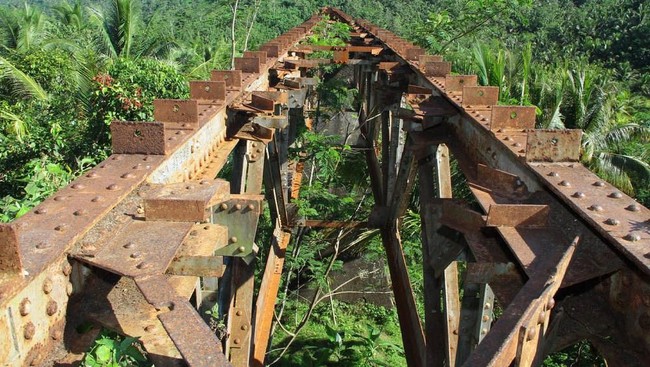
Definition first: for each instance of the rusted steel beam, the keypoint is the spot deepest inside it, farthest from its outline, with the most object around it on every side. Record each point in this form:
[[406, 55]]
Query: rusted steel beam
[[412, 334], [267, 296], [520, 332]]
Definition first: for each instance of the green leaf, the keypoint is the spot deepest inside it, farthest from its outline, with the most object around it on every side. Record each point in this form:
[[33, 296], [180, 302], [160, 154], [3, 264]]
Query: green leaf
[[103, 354]]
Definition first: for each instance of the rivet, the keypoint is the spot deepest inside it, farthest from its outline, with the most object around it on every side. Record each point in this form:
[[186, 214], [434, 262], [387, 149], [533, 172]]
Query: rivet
[[204, 182], [61, 227], [596, 208], [484, 331], [188, 187], [41, 211], [599, 183], [486, 318], [253, 156], [112, 187], [612, 222], [135, 255], [541, 318], [57, 335], [237, 341], [77, 186], [25, 307], [633, 237], [531, 333], [117, 158], [150, 328], [146, 158], [259, 150], [487, 306], [579, 195], [516, 145], [66, 269], [241, 249], [91, 174], [233, 239], [128, 245], [69, 289], [43, 245], [47, 286], [244, 327], [239, 313], [550, 304], [238, 206], [251, 206], [507, 138], [633, 207], [206, 227], [51, 308], [80, 212], [128, 175], [565, 183], [97, 199], [29, 330], [59, 198], [143, 265], [253, 145], [616, 195]]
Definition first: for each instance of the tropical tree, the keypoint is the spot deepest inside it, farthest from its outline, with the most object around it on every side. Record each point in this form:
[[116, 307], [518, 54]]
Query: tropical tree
[[117, 25], [22, 29]]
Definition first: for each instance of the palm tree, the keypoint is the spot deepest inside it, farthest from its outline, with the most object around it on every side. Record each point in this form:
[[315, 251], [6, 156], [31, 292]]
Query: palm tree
[[118, 25], [21, 86], [72, 16], [22, 29], [593, 106]]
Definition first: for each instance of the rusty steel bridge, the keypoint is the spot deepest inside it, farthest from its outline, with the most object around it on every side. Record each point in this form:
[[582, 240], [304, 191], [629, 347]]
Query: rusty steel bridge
[[142, 241]]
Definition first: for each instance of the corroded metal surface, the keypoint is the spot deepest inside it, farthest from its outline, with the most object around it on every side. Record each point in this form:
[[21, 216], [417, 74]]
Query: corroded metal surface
[[130, 137], [142, 248]]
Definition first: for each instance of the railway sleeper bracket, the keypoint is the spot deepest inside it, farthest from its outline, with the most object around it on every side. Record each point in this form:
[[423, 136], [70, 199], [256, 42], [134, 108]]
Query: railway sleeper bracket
[[139, 137], [186, 201]]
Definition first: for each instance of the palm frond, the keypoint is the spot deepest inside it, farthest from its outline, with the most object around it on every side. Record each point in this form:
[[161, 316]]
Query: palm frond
[[17, 126], [22, 83]]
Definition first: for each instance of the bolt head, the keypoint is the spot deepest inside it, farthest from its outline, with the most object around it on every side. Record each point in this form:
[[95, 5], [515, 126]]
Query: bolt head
[[565, 183], [616, 195], [612, 221], [233, 239], [579, 195]]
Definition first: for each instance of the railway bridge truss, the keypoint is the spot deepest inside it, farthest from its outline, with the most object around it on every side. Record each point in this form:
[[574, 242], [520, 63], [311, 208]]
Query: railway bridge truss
[[142, 241]]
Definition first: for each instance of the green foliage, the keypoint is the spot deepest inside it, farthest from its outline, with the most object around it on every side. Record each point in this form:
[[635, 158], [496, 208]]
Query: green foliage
[[113, 350]]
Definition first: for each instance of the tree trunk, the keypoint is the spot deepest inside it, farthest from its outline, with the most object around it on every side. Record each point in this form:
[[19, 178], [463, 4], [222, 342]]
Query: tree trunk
[[232, 34], [250, 25]]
